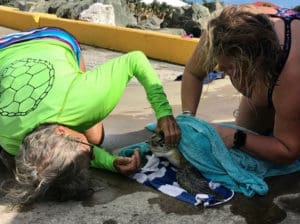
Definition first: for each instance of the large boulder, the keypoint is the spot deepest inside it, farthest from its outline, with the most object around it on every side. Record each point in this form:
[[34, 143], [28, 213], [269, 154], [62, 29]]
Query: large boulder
[[40, 6], [72, 9], [196, 11], [188, 18], [5, 2], [150, 23], [123, 15], [99, 13]]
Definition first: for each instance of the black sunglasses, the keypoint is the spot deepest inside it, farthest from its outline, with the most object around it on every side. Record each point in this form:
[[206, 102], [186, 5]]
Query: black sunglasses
[[91, 153]]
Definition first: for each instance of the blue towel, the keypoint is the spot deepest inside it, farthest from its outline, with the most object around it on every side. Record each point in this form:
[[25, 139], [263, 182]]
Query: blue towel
[[211, 76], [203, 147]]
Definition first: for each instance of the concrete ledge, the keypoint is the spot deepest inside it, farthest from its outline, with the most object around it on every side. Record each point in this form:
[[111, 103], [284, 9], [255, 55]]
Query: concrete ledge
[[156, 45], [15, 19]]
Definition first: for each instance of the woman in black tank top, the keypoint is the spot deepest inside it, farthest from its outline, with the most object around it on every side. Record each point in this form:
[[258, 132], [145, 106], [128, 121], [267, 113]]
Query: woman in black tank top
[[259, 49]]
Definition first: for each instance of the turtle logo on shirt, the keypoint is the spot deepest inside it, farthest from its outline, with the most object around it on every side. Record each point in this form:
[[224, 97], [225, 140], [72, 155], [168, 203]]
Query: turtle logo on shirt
[[23, 85]]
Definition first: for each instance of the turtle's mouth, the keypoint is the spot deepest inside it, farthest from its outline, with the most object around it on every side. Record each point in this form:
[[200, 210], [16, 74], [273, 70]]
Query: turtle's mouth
[[157, 143]]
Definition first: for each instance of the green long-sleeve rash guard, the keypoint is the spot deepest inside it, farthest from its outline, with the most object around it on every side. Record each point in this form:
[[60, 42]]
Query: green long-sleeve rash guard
[[41, 82], [103, 159]]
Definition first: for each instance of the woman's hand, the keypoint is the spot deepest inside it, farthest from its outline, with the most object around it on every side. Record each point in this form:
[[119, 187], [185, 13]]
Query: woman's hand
[[128, 165], [170, 129], [226, 134]]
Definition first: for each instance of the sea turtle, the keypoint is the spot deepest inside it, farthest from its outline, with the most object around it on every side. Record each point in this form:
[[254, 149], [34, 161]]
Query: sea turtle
[[188, 177]]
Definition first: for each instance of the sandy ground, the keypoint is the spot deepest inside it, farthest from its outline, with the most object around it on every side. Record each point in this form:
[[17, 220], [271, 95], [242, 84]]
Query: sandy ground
[[121, 200]]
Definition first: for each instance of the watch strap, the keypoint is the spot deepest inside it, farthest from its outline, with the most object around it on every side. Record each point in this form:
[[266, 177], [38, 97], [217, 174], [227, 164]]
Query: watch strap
[[239, 139]]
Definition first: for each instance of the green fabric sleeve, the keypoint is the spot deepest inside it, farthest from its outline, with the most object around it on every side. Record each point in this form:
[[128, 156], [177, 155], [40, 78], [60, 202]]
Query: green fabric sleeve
[[147, 76], [103, 159], [105, 85]]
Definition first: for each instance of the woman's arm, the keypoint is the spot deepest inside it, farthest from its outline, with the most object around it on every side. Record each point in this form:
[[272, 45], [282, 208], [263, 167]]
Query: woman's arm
[[125, 165], [255, 116], [284, 145], [191, 89], [109, 80], [95, 134], [140, 67], [192, 81], [264, 147]]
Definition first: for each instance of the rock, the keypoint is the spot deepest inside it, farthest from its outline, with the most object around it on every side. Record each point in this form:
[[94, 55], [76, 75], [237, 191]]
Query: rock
[[123, 15], [4, 2], [46, 6], [184, 20], [99, 13], [135, 26], [53, 7], [151, 23], [174, 31], [72, 9], [196, 11], [188, 18], [21, 5]]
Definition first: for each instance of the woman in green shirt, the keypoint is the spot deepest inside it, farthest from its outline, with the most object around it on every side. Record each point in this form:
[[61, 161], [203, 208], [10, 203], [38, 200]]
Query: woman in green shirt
[[51, 111]]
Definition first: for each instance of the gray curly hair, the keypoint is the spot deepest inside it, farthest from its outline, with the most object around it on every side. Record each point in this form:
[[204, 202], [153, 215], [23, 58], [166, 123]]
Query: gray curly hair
[[49, 164]]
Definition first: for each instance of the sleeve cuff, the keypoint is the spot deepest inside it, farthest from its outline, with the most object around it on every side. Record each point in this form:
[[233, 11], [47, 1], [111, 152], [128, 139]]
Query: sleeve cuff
[[103, 159]]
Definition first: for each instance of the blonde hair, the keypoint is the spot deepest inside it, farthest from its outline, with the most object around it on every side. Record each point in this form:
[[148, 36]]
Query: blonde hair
[[49, 164], [249, 40]]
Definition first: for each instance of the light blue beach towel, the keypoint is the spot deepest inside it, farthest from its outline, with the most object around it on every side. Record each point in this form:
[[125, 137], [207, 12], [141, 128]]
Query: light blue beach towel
[[203, 147]]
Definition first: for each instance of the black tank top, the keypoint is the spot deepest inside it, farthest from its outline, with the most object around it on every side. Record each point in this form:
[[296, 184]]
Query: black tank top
[[287, 15]]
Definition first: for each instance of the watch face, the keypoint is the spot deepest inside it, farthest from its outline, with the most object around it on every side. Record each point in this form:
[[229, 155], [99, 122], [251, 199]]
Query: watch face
[[239, 139]]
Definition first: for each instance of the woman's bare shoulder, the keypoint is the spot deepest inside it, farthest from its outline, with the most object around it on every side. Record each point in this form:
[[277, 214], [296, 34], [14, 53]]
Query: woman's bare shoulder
[[287, 90], [266, 10], [196, 61]]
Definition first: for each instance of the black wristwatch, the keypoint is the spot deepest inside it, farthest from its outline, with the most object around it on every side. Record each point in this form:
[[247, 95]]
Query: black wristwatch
[[239, 139]]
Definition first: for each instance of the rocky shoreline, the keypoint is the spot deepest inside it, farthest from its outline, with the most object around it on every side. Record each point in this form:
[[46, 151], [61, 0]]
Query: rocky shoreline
[[187, 20]]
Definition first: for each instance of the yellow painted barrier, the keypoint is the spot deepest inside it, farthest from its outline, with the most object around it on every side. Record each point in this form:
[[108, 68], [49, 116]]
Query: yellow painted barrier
[[15, 19], [166, 47]]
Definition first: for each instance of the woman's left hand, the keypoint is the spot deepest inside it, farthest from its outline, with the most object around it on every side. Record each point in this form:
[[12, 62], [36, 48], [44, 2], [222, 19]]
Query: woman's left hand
[[128, 165], [170, 129], [226, 134]]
